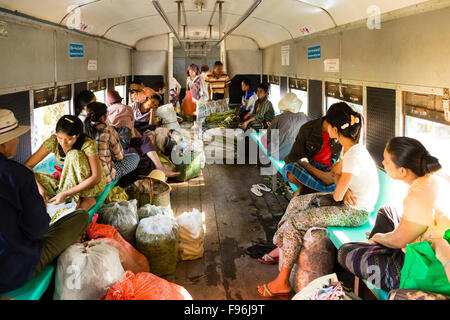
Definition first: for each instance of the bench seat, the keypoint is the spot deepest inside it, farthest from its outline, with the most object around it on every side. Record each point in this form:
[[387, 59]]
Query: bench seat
[[36, 287]]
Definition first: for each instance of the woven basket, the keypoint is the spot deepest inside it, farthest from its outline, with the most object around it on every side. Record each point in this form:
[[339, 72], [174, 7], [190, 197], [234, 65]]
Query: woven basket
[[157, 198]]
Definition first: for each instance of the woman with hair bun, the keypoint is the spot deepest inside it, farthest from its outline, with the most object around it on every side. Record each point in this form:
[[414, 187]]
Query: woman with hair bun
[[425, 216], [349, 205]]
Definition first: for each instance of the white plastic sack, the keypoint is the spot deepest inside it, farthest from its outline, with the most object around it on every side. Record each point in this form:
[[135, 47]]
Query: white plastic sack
[[192, 222], [191, 235], [150, 210], [58, 211], [87, 273], [168, 116]]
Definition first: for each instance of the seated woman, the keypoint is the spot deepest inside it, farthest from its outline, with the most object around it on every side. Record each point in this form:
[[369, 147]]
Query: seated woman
[[82, 176], [120, 115], [288, 124], [356, 179], [248, 100], [313, 143], [144, 110], [148, 157], [27, 242], [263, 112], [425, 217], [115, 163]]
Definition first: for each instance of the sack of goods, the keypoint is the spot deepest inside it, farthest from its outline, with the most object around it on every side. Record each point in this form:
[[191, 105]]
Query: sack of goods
[[150, 210], [189, 165], [191, 235], [130, 258], [123, 216], [116, 194], [168, 116], [157, 239], [316, 259], [146, 286], [87, 271]]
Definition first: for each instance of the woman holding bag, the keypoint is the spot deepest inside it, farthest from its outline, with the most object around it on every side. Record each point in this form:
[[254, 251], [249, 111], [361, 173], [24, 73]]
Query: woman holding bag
[[425, 217], [195, 91]]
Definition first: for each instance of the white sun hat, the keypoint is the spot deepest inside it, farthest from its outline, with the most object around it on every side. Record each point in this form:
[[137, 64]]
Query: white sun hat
[[290, 102], [9, 126]]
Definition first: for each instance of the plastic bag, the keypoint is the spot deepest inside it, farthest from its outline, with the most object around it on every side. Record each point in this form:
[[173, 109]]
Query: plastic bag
[[130, 258], [191, 235], [87, 271], [58, 211], [116, 194], [314, 286], [423, 271], [316, 259], [157, 239], [168, 116], [150, 210], [123, 216], [146, 286]]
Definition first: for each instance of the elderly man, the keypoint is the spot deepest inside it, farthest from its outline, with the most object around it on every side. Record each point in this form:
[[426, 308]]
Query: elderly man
[[27, 242]]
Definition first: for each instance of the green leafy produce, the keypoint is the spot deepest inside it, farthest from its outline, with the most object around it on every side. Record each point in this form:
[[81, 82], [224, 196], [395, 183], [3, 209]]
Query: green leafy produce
[[157, 240], [123, 216], [116, 194]]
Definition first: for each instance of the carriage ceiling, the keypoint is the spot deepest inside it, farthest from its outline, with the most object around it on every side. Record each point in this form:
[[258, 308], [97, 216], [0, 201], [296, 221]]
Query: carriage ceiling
[[273, 21]]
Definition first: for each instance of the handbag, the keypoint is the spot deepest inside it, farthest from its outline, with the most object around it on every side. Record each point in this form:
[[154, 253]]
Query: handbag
[[325, 200], [423, 271]]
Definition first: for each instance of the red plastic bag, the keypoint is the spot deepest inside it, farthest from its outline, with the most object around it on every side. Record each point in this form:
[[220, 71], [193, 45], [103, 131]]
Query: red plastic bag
[[130, 258], [145, 286], [58, 172]]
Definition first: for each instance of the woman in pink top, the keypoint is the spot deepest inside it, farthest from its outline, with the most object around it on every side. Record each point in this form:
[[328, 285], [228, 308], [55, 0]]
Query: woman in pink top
[[120, 115]]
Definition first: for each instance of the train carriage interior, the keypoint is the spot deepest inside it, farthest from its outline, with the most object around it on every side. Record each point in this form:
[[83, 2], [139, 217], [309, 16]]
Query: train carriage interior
[[225, 149]]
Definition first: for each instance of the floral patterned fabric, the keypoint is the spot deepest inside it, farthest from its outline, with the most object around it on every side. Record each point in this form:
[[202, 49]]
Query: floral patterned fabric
[[301, 216]]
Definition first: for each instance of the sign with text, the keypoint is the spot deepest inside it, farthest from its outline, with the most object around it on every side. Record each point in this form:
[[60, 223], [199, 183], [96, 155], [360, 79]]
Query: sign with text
[[92, 65], [314, 53], [76, 50], [285, 54], [331, 65]]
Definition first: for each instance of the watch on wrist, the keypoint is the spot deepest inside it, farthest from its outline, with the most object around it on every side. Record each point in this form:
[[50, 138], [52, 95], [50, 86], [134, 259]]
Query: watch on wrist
[[447, 265]]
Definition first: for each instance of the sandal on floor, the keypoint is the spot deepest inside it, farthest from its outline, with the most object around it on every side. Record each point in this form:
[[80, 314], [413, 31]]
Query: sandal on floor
[[267, 259], [256, 192], [270, 295], [262, 187], [257, 251]]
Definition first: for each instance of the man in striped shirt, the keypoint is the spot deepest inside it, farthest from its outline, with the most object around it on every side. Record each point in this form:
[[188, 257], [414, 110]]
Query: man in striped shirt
[[218, 82]]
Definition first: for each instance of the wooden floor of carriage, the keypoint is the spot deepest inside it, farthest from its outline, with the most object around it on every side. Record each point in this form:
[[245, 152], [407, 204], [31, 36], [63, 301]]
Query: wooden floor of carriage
[[234, 220]]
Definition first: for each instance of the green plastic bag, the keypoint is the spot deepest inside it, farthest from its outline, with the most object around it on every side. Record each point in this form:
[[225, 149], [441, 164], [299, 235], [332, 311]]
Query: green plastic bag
[[190, 170], [423, 271]]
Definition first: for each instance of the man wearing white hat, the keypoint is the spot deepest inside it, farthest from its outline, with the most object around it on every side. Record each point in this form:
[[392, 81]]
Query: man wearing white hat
[[27, 242]]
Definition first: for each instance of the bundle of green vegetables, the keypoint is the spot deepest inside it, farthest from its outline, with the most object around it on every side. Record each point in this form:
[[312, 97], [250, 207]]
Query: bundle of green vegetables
[[226, 119]]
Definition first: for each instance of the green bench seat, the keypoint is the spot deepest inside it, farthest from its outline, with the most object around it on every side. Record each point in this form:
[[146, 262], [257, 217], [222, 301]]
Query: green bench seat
[[341, 235], [36, 287], [278, 164]]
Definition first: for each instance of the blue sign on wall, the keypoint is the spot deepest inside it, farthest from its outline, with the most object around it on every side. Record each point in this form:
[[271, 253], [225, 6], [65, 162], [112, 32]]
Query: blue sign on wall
[[76, 50], [314, 53]]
